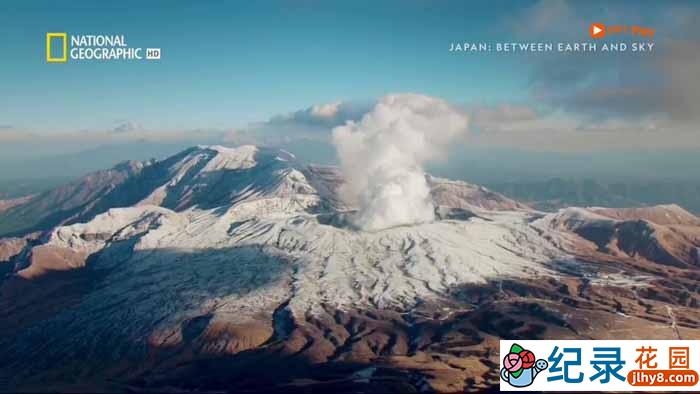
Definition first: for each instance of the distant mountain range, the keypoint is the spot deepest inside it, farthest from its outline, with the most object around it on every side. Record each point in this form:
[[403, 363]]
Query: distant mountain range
[[555, 193]]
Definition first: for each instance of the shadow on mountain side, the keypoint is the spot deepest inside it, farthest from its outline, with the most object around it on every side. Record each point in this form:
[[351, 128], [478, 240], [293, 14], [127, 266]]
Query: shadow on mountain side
[[336, 351], [610, 302], [222, 187], [6, 268], [68, 325], [262, 370], [432, 347], [159, 320], [84, 198], [25, 302]]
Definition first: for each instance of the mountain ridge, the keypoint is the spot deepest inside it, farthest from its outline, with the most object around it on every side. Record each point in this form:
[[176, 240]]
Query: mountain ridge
[[135, 182]]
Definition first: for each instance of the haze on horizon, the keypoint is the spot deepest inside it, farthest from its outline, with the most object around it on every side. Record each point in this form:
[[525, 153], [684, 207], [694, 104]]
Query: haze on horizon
[[291, 76]]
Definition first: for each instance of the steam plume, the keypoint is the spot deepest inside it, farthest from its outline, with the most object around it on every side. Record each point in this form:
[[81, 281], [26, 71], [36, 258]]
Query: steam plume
[[383, 155]]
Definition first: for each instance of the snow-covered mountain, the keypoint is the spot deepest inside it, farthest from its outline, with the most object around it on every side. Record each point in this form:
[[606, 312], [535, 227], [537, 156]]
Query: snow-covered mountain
[[211, 269], [208, 177]]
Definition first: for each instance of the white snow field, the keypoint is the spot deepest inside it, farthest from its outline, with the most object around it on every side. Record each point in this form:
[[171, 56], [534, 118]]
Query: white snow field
[[266, 243]]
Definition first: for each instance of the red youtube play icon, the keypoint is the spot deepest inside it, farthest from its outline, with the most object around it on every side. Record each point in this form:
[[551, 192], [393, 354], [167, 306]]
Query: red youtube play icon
[[597, 30]]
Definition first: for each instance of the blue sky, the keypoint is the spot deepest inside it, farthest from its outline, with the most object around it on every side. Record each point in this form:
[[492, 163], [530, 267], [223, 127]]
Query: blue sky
[[239, 71], [234, 65], [228, 63]]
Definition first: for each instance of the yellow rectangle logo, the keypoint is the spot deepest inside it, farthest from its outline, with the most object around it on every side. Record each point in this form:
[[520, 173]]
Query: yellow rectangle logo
[[49, 37]]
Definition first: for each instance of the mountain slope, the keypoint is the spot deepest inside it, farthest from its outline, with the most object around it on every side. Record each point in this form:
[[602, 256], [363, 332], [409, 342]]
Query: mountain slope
[[240, 269], [206, 176], [43, 211], [664, 234]]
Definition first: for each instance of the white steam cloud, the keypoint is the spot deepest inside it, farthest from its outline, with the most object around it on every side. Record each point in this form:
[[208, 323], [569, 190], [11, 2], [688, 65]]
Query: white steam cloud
[[383, 155]]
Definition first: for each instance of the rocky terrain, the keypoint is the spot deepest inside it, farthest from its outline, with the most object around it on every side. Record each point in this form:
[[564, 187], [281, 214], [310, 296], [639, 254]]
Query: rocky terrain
[[240, 269]]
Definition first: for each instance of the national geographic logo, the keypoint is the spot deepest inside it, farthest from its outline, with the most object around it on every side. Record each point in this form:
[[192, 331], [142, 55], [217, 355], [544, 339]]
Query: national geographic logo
[[64, 44], [61, 46]]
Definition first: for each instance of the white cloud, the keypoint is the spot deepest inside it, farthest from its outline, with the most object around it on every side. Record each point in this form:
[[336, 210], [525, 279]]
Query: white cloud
[[326, 111], [313, 123]]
